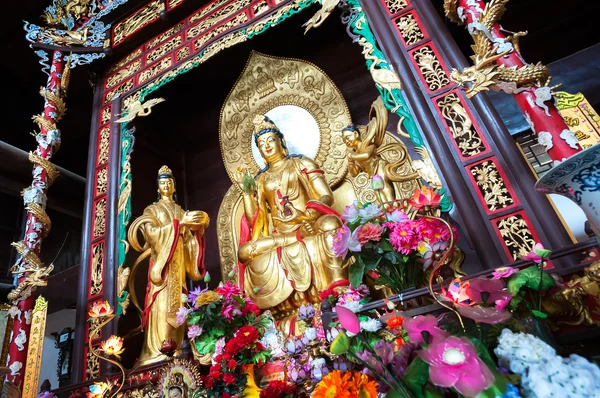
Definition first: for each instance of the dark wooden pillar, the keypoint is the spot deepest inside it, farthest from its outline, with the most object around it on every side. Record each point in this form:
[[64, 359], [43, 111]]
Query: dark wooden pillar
[[99, 246], [486, 175]]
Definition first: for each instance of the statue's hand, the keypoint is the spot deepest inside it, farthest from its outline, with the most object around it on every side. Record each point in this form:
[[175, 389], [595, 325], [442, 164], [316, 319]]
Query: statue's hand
[[240, 175], [296, 216], [194, 220]]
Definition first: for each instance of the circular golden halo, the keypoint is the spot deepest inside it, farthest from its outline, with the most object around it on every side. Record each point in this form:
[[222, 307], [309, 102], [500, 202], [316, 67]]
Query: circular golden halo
[[268, 82]]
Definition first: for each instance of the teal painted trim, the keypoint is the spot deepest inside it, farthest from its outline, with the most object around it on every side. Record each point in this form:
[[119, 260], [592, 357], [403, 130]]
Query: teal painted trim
[[393, 99]]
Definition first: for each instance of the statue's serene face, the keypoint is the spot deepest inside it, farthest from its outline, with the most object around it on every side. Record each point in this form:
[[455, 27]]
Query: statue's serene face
[[166, 186], [350, 138], [270, 147], [175, 393]]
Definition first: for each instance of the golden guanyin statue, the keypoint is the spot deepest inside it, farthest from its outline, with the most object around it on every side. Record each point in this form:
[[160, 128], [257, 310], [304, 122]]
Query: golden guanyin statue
[[174, 241], [286, 238], [365, 147]]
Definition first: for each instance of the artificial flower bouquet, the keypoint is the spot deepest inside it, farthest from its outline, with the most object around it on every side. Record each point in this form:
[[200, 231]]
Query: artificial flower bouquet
[[228, 327], [393, 243]]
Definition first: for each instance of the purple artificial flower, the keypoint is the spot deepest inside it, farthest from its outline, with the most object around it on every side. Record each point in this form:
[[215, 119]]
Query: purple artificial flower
[[193, 295], [182, 314], [194, 331]]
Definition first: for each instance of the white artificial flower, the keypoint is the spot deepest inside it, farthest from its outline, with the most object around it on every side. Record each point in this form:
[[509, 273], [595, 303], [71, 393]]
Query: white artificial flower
[[354, 306], [371, 325], [311, 333]]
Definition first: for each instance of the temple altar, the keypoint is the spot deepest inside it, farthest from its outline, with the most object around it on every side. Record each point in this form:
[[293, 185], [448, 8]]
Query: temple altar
[[309, 157]]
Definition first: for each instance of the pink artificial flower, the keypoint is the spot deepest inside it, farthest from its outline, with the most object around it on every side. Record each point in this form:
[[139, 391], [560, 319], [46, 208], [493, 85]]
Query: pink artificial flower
[[503, 272], [502, 303], [230, 310], [453, 363], [345, 240], [488, 315], [182, 314], [348, 319], [537, 255], [397, 216], [457, 292], [194, 331], [414, 327], [229, 289], [368, 232], [494, 288], [377, 183]]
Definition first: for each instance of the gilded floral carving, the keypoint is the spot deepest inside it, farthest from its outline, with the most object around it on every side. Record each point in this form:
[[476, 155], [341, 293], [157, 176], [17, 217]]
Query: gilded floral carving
[[154, 70], [409, 29], [491, 185], [103, 146], [154, 55], [217, 17], [460, 125], [123, 74], [101, 181], [136, 21], [130, 57], [431, 69], [100, 218], [92, 365], [128, 85], [396, 5], [182, 53], [164, 36], [237, 20], [96, 271], [516, 235], [106, 115]]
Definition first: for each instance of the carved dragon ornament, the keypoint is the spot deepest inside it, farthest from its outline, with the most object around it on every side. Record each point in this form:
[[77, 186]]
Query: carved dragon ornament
[[488, 48]]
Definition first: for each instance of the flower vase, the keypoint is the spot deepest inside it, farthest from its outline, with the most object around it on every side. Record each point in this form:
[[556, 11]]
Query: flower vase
[[577, 178]]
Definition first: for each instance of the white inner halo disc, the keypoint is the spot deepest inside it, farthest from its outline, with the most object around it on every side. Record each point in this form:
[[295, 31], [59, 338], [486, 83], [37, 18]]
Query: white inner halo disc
[[299, 128]]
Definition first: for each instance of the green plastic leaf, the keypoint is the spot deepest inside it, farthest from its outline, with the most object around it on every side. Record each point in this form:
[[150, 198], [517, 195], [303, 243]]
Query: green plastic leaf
[[500, 381], [539, 314], [386, 245], [356, 272], [417, 376], [340, 344], [529, 277], [543, 253]]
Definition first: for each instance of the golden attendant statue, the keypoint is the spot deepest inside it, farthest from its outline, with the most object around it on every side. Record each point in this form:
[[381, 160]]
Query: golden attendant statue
[[286, 240], [174, 240]]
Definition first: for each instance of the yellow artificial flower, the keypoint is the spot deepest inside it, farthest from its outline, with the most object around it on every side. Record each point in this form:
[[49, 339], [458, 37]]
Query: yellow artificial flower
[[209, 296], [113, 346]]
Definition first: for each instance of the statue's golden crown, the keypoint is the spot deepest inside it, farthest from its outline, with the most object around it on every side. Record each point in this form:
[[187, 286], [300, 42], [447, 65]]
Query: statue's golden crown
[[263, 124], [165, 170]]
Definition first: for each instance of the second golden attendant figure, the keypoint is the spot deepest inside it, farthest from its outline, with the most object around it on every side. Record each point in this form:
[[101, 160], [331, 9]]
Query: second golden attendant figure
[[286, 240]]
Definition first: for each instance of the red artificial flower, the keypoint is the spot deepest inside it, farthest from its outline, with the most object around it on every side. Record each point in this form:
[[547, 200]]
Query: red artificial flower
[[425, 198], [231, 347], [328, 292], [369, 232], [225, 395], [278, 389], [231, 364], [250, 308], [218, 358], [228, 378], [247, 336], [215, 371], [209, 382], [225, 357]]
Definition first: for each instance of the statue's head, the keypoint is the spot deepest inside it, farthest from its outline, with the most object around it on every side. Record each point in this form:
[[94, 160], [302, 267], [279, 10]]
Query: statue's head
[[175, 392], [269, 139], [350, 136], [166, 183]]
